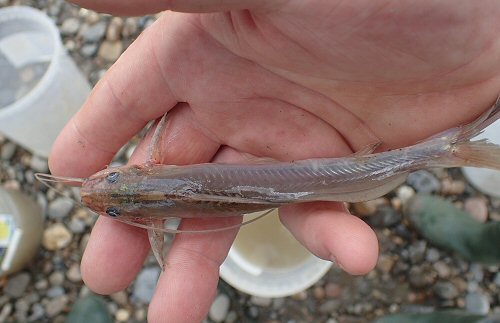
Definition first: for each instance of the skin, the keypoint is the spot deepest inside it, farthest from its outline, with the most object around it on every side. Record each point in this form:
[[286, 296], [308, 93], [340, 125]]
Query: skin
[[285, 79]]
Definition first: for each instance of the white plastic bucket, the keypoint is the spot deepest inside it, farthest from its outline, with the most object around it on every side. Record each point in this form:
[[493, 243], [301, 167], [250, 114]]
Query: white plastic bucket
[[266, 260], [32, 113]]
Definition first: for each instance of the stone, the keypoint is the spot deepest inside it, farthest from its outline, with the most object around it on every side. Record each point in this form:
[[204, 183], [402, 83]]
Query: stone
[[114, 29], [77, 225], [70, 26], [8, 151], [432, 255], [477, 208], [446, 290], [231, 317], [129, 27], [37, 313], [145, 284], [385, 217], [5, 312], [405, 193], [39, 164], [55, 291], [220, 308], [421, 276], [368, 208], [423, 182], [94, 33], [56, 236], [55, 306], [17, 284], [319, 293], [329, 306], [122, 315], [42, 284], [385, 263], [261, 301], [73, 274], [88, 50], [442, 269], [477, 303], [56, 278], [333, 290], [452, 187], [110, 50], [416, 251], [60, 208], [120, 298]]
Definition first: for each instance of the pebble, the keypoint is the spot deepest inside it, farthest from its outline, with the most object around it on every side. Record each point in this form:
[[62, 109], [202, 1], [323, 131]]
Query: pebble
[[42, 284], [385, 263], [56, 278], [120, 298], [452, 187], [405, 193], [329, 306], [8, 151], [77, 225], [5, 312], [442, 269], [446, 290], [55, 291], [94, 33], [477, 303], [88, 50], [37, 313], [220, 308], [39, 164], [110, 50], [368, 208], [231, 317], [432, 255], [385, 217], [333, 290], [114, 29], [70, 26], [261, 301], [122, 315], [477, 208], [56, 236], [421, 276], [55, 306], [145, 284], [140, 314], [319, 293], [416, 251], [17, 284], [423, 182], [73, 274], [130, 27], [60, 208], [496, 280]]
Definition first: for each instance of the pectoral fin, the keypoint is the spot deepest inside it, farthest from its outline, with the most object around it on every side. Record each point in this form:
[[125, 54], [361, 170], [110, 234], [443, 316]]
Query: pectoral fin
[[157, 240]]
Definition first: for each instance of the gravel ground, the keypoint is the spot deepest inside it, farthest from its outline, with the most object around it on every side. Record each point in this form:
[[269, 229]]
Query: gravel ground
[[411, 275]]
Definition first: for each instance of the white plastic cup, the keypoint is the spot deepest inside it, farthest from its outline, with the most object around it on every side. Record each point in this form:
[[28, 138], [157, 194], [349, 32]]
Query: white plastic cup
[[265, 260], [33, 113], [486, 180]]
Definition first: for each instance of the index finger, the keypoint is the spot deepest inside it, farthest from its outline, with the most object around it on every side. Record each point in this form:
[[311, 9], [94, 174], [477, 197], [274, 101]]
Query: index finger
[[130, 94]]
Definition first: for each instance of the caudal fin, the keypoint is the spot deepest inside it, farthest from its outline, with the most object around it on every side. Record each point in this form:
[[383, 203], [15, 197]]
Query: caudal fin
[[479, 153]]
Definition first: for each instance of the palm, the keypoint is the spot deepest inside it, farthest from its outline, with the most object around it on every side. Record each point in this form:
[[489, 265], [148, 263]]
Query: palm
[[299, 80]]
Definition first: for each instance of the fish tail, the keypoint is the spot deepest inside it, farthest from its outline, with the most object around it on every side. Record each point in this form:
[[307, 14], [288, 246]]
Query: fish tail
[[478, 153]]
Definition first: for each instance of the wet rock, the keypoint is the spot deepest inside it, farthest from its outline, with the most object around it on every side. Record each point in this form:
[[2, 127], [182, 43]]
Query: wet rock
[[60, 208], [446, 290], [446, 226], [477, 208], [70, 26], [17, 284], [110, 50], [423, 182], [56, 237], [219, 308], [145, 284], [94, 33], [477, 303]]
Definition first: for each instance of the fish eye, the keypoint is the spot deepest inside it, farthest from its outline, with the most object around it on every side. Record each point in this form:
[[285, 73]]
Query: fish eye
[[112, 212], [112, 177]]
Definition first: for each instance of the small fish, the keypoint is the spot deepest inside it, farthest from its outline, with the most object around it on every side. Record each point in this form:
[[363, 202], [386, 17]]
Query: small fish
[[145, 195]]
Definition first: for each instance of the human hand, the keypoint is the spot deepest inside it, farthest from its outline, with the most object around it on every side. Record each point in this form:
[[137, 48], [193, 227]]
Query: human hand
[[284, 79]]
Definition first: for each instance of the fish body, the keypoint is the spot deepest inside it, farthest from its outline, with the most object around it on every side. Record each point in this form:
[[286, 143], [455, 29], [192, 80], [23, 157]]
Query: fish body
[[144, 193]]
